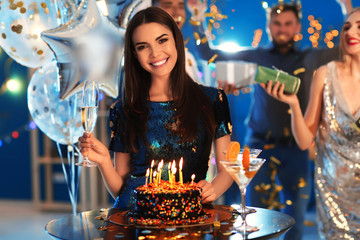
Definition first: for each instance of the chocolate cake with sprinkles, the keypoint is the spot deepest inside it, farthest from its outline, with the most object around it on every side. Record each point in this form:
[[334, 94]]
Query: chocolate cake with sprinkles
[[168, 203]]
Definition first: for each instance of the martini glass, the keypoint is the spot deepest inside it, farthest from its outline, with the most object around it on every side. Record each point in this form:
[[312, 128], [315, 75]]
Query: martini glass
[[242, 177], [254, 153]]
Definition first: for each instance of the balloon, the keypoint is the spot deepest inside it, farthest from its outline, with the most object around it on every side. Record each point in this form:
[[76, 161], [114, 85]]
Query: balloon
[[88, 47], [59, 119], [21, 24]]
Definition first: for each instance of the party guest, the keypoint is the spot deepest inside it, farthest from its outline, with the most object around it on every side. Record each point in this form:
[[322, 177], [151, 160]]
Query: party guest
[[332, 118], [164, 114], [269, 120]]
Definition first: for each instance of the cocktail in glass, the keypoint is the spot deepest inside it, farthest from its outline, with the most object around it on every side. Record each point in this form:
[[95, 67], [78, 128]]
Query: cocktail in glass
[[242, 176], [254, 153]]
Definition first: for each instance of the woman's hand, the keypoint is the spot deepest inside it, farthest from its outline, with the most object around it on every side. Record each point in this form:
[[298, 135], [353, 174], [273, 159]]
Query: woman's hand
[[96, 151], [208, 192], [277, 92], [197, 8]]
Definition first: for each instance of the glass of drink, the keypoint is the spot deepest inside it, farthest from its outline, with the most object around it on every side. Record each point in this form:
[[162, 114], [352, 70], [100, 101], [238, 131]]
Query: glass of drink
[[242, 176], [90, 103]]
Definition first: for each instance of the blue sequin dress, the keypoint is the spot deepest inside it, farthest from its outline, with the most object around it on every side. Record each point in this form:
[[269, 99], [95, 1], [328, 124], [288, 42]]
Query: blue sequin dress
[[163, 143]]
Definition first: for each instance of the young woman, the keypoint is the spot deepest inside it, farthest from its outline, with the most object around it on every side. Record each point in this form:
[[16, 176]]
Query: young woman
[[332, 118], [164, 115]]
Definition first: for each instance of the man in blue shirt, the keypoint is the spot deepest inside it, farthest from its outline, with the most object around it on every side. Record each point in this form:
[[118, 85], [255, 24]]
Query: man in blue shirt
[[287, 169]]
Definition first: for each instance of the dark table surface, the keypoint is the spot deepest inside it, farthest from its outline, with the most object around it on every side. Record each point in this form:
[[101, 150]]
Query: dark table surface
[[112, 224]]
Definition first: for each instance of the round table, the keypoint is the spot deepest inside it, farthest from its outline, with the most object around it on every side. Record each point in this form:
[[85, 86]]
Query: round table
[[98, 225]]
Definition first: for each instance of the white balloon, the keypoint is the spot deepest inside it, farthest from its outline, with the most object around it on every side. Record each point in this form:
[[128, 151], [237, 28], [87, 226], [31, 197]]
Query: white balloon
[[21, 24], [59, 119]]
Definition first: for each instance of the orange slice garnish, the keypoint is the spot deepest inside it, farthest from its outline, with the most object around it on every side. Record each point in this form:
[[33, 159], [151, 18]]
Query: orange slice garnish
[[246, 158], [233, 151]]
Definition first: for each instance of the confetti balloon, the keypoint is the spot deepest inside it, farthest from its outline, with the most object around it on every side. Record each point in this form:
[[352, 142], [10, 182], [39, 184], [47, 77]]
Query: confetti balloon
[[21, 23], [59, 119]]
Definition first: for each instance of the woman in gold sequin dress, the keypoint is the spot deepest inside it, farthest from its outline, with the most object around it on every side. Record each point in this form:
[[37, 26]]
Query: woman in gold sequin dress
[[332, 118]]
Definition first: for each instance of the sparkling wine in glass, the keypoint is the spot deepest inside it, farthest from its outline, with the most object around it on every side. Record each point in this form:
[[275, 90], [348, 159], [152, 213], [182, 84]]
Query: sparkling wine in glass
[[90, 103], [242, 177]]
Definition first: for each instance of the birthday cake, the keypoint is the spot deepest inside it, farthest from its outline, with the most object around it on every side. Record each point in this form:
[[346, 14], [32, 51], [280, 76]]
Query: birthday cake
[[168, 203]]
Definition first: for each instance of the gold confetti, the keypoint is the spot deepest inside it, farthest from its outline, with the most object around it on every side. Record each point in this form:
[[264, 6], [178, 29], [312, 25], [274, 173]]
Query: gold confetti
[[210, 24], [13, 6], [289, 111], [204, 40], [212, 59], [3, 35], [230, 127], [269, 146], [190, 62], [305, 196], [275, 160], [289, 202], [286, 132], [40, 52], [43, 5], [22, 10], [309, 223], [195, 23], [19, 4], [197, 38], [187, 40], [216, 224], [17, 28], [227, 233], [268, 135], [302, 183], [299, 70], [101, 228]]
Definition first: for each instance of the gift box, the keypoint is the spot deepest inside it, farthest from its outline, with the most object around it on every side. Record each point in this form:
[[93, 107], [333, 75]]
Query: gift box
[[264, 74], [240, 73]]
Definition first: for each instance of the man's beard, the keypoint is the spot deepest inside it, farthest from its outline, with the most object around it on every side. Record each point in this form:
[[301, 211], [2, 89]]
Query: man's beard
[[287, 44]]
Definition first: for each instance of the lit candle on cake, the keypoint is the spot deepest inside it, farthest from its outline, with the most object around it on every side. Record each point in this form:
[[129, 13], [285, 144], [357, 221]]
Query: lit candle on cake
[[147, 175], [180, 171], [173, 170], [192, 179], [151, 173], [160, 165], [155, 176], [169, 172]]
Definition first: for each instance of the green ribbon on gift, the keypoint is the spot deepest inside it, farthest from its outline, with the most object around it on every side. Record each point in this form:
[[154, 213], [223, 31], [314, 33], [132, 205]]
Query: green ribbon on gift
[[264, 74]]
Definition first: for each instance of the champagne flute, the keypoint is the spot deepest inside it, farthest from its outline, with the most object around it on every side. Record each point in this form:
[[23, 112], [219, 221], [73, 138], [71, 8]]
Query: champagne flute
[[90, 103]]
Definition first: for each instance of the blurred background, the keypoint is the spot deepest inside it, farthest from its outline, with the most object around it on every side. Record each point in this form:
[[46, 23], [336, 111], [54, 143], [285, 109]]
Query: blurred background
[[243, 26]]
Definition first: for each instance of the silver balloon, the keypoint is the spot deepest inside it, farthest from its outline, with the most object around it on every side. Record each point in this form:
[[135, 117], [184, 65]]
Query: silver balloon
[[59, 119], [21, 24], [88, 47]]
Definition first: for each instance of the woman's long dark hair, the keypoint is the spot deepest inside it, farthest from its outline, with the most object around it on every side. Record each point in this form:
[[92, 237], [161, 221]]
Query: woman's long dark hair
[[190, 101]]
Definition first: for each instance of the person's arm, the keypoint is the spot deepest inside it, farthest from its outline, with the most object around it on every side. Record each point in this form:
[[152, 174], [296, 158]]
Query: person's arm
[[97, 152], [303, 128], [207, 50], [222, 180], [346, 6]]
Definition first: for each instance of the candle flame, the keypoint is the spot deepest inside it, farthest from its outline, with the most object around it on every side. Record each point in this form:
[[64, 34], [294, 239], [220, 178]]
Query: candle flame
[[181, 163], [152, 163], [193, 177], [169, 165], [173, 169], [154, 174], [147, 172]]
